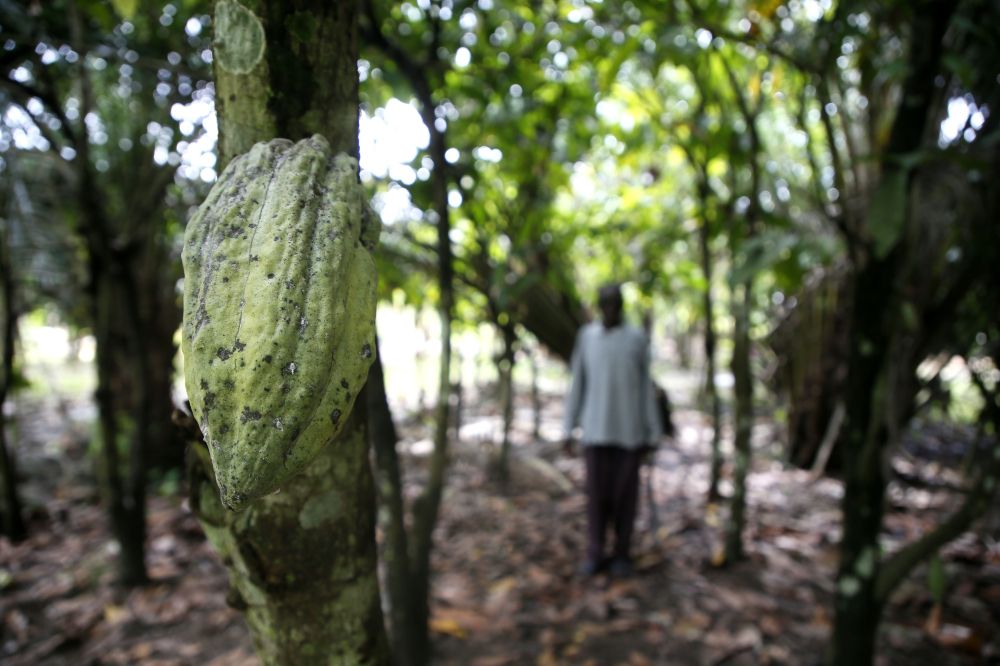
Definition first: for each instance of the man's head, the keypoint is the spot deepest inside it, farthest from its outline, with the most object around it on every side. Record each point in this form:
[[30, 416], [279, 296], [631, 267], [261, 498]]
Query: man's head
[[609, 301]]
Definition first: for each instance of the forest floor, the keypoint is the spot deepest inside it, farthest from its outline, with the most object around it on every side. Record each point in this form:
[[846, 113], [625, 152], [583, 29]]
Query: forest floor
[[505, 589]]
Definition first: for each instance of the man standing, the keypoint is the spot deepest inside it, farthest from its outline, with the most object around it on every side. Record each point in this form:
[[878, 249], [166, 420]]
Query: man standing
[[611, 398]]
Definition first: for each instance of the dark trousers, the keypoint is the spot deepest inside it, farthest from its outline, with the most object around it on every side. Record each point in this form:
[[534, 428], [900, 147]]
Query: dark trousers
[[612, 497]]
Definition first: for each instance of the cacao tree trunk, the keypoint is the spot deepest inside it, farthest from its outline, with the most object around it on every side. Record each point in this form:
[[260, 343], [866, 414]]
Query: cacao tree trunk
[[427, 509], [505, 368], [108, 275], [406, 636], [711, 390], [742, 300], [857, 607], [11, 522], [708, 304], [870, 427], [302, 562], [743, 421], [127, 508]]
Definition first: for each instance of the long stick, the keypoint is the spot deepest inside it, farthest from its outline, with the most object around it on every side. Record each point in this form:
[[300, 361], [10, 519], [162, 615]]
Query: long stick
[[654, 513]]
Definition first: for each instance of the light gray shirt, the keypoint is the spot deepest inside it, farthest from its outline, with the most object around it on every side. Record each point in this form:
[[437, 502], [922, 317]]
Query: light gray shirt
[[611, 394]]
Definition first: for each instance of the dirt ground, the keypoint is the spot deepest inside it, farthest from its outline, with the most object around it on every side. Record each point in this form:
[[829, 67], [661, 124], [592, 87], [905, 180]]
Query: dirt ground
[[505, 591]]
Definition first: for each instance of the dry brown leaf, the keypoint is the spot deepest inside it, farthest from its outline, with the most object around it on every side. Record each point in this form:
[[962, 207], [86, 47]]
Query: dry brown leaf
[[494, 660], [547, 658], [448, 627], [960, 637], [638, 659], [771, 626], [933, 623], [114, 614], [718, 556]]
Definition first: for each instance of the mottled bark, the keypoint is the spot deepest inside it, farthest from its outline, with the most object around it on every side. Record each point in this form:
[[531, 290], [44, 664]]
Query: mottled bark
[[302, 561], [297, 85]]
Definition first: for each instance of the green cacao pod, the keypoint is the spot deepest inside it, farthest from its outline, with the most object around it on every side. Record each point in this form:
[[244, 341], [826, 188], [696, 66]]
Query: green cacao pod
[[279, 311]]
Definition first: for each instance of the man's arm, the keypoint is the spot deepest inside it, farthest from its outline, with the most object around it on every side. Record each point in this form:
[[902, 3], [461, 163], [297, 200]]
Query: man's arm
[[577, 386], [652, 428]]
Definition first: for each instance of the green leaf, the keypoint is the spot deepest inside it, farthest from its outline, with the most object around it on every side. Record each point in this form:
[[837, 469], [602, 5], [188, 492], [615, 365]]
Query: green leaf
[[887, 214], [126, 8], [936, 578]]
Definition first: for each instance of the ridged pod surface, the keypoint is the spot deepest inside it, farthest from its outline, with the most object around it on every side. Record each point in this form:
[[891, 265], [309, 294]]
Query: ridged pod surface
[[279, 311]]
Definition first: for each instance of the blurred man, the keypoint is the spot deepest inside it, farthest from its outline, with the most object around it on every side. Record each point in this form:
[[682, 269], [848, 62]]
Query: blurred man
[[611, 398]]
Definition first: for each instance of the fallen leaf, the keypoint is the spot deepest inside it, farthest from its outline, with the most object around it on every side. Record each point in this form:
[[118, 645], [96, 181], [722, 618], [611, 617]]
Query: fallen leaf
[[115, 614], [933, 623], [960, 637], [448, 627], [638, 659]]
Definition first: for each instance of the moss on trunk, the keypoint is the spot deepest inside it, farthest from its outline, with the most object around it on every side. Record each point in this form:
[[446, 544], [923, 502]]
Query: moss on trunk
[[302, 560]]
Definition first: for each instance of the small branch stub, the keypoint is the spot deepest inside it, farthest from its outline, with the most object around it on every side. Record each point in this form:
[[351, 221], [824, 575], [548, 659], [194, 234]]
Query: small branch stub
[[239, 37]]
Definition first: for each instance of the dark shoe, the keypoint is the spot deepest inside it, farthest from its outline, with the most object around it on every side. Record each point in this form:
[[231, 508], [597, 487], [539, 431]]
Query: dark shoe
[[589, 568], [621, 567]]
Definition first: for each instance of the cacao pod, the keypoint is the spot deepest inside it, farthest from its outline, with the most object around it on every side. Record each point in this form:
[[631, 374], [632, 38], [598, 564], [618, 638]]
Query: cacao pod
[[279, 311]]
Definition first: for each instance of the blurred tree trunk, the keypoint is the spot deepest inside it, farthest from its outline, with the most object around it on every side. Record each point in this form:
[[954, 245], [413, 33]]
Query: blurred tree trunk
[[309, 592], [712, 391], [881, 362], [426, 508], [742, 303], [402, 592], [112, 299], [536, 396], [699, 164], [11, 522], [505, 370], [743, 420], [708, 305]]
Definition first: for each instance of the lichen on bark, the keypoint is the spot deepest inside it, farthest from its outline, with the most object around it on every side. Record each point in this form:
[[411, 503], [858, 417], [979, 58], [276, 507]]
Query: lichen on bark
[[304, 602]]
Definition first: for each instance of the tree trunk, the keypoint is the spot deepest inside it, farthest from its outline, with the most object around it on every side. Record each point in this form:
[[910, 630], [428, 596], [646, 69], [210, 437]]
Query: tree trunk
[[505, 369], [711, 390], [536, 398], [857, 609], [743, 417], [742, 302], [869, 426], [11, 523], [425, 513], [407, 639], [127, 511], [106, 273], [302, 561]]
